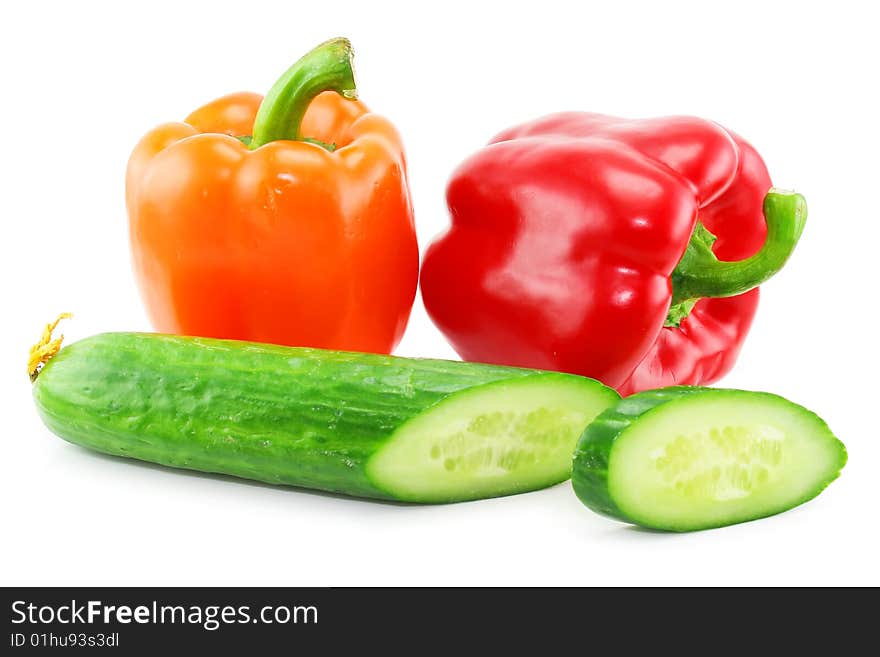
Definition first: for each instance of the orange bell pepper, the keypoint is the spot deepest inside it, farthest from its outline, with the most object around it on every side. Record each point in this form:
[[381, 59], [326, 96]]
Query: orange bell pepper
[[285, 220]]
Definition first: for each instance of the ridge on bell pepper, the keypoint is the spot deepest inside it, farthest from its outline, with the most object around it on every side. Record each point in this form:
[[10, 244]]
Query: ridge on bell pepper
[[286, 219], [629, 251]]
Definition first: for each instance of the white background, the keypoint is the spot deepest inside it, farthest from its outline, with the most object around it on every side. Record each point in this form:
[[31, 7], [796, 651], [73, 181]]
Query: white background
[[82, 81]]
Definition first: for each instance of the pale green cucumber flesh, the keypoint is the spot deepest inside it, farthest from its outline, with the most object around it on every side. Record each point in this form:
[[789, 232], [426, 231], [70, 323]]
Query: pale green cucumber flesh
[[360, 424], [691, 458], [496, 439]]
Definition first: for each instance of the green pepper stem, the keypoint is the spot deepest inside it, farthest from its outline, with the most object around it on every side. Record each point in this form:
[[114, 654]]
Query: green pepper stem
[[700, 274], [327, 67]]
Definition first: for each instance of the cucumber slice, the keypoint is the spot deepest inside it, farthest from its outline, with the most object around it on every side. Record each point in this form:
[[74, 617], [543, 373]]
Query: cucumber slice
[[688, 458], [498, 438], [368, 425]]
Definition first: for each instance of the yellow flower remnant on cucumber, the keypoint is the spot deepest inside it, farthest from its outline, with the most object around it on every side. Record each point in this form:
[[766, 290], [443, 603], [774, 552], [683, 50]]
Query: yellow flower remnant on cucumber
[[45, 348]]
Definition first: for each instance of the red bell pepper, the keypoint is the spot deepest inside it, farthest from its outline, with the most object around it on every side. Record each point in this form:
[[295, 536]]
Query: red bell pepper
[[625, 250]]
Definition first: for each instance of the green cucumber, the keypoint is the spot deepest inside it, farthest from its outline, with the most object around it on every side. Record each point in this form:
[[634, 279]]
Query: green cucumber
[[367, 425], [687, 458]]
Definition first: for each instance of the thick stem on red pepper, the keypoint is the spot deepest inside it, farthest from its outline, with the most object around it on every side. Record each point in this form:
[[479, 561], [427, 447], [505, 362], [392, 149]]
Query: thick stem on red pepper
[[328, 67], [700, 274]]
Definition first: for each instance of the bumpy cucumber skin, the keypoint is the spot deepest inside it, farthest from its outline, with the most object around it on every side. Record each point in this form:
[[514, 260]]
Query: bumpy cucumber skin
[[589, 475], [281, 415]]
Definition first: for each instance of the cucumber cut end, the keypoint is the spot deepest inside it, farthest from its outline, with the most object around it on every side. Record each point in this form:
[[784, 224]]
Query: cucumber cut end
[[721, 458], [495, 439]]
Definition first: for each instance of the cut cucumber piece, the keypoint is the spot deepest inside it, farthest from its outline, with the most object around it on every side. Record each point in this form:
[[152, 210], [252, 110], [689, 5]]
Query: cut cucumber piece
[[368, 425], [511, 436], [687, 458]]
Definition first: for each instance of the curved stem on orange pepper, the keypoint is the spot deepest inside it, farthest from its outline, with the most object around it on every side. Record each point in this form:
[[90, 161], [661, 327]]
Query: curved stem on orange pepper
[[327, 67]]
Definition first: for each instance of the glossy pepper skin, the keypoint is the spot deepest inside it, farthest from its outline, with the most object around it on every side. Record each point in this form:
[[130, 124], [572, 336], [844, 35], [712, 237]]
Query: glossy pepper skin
[[286, 220], [584, 243]]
